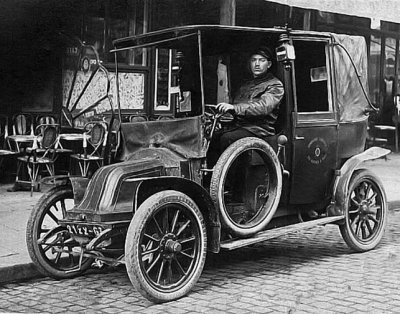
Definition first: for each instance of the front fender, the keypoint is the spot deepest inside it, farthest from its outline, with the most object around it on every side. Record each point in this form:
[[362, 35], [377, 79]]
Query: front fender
[[341, 185], [102, 191], [79, 185]]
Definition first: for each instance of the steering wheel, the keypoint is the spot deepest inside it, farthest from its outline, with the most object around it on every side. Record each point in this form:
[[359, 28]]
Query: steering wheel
[[215, 119]]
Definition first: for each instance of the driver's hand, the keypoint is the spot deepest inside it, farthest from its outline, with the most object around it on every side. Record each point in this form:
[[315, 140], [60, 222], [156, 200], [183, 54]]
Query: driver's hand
[[224, 107]]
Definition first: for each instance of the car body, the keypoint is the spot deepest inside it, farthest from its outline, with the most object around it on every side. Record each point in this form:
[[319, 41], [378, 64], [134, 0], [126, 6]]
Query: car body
[[163, 203]]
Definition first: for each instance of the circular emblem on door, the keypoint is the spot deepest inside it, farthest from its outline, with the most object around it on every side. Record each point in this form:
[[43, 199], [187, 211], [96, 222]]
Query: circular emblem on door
[[317, 150]]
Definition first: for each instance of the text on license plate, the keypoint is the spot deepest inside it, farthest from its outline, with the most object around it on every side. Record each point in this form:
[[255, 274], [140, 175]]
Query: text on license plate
[[85, 230]]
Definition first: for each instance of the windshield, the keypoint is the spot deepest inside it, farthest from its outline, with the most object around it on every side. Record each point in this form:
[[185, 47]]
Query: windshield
[[173, 83], [177, 84], [226, 61]]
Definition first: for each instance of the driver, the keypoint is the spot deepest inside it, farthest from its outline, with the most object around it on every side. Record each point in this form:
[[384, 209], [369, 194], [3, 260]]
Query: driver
[[256, 103]]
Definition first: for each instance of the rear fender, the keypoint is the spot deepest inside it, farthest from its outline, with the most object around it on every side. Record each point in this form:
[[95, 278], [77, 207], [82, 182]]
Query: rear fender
[[341, 185], [199, 195]]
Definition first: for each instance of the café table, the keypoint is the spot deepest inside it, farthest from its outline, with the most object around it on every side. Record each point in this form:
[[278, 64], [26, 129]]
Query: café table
[[76, 145], [70, 137], [19, 142]]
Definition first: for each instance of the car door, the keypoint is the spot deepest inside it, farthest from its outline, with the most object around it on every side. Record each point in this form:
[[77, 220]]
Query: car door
[[315, 126]]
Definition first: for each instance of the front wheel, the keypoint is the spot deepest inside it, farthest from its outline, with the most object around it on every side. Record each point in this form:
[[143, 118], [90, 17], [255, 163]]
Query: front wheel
[[365, 212], [165, 247], [54, 252]]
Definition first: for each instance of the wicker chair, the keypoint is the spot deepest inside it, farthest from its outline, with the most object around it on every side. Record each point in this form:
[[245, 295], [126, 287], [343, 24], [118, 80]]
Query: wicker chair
[[41, 156], [4, 149], [94, 144]]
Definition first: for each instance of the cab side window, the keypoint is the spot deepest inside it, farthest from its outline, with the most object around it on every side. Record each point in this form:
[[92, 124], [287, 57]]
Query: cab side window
[[311, 75]]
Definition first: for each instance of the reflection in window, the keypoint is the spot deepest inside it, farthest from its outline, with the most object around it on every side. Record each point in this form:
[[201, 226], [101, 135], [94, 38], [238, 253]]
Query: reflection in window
[[162, 102], [387, 109], [177, 84], [128, 18], [374, 65], [106, 20], [94, 25]]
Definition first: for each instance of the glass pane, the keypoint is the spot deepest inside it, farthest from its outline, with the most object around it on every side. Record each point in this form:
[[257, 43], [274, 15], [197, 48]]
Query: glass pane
[[118, 25], [162, 75], [177, 84], [95, 25], [374, 66], [388, 77], [138, 25], [131, 90], [311, 77]]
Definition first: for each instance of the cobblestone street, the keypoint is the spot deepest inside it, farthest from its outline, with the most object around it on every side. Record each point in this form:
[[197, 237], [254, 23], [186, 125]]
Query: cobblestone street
[[307, 272]]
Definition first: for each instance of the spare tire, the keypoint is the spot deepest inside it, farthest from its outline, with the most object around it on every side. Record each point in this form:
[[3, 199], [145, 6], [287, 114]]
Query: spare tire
[[246, 186]]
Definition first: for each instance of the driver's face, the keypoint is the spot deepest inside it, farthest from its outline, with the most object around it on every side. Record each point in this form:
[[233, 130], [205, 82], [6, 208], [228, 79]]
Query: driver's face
[[259, 64]]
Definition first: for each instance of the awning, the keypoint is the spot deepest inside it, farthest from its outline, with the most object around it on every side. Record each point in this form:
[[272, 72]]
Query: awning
[[386, 10]]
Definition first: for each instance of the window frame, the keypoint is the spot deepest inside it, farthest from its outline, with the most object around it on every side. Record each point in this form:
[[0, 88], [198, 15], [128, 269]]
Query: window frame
[[328, 116]]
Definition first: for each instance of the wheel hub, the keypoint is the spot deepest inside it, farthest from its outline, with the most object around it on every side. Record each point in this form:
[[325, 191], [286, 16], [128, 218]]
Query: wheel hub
[[169, 246], [173, 246], [365, 209]]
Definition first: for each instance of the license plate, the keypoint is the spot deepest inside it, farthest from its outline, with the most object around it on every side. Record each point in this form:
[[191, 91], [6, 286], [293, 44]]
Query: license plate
[[85, 230]]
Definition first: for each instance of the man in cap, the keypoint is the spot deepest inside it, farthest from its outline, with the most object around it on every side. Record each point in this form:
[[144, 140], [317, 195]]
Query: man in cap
[[256, 103]]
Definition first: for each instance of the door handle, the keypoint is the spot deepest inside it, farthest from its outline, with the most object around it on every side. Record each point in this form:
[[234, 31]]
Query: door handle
[[299, 137]]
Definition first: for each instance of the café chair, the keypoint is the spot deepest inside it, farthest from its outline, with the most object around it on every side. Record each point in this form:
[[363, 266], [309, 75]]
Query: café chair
[[94, 147], [138, 118], [4, 151], [45, 120], [41, 156], [22, 124]]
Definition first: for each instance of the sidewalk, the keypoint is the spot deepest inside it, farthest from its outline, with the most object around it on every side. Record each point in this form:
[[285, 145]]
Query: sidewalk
[[15, 208]]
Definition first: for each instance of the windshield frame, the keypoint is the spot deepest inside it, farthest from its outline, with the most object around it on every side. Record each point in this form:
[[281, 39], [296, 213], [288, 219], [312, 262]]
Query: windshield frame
[[160, 44]]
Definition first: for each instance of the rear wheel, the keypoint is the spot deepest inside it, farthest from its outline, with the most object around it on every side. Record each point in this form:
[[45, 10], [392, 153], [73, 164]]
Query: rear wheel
[[246, 186], [165, 247], [365, 212], [54, 253]]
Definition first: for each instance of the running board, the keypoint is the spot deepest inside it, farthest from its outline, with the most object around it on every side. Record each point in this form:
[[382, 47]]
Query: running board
[[277, 232]]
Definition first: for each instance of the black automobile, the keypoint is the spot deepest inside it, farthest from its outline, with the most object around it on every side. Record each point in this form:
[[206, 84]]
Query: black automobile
[[161, 205]]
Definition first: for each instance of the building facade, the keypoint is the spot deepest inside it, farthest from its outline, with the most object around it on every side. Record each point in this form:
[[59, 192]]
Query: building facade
[[42, 36]]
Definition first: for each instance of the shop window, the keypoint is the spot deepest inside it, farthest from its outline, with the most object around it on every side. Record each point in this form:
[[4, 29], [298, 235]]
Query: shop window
[[171, 13], [387, 110], [261, 13], [128, 18], [94, 25], [341, 23], [374, 65], [106, 20]]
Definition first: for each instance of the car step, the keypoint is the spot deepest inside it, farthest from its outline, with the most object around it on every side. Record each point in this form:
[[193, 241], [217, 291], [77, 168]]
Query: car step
[[277, 232]]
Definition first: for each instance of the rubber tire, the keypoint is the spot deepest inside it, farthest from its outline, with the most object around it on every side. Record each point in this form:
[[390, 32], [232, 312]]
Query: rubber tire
[[136, 227], [345, 229], [35, 220], [220, 172]]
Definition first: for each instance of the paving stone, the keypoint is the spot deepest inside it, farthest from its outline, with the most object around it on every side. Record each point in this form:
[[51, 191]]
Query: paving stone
[[310, 272]]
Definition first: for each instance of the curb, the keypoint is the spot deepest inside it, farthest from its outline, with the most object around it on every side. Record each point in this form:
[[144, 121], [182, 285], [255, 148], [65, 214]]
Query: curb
[[393, 205], [20, 272], [24, 272]]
